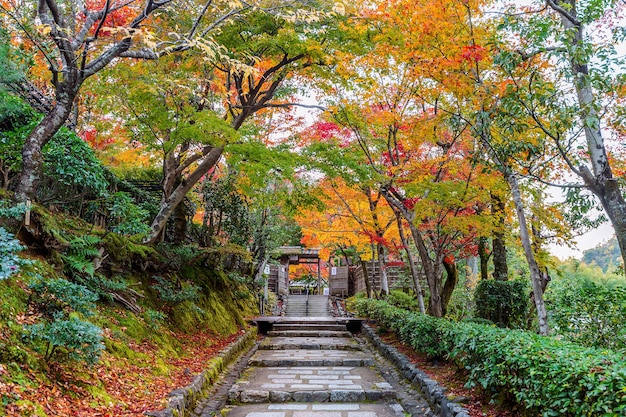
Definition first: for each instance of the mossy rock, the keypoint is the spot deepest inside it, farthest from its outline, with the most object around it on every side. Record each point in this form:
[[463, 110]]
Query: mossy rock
[[122, 249], [58, 229]]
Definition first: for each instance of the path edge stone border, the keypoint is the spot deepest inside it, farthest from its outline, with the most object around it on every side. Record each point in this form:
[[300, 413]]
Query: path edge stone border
[[434, 393], [182, 401]]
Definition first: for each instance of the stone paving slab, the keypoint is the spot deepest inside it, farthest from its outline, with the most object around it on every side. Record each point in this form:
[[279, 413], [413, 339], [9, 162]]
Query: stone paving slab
[[327, 343], [311, 384], [316, 410], [310, 357]]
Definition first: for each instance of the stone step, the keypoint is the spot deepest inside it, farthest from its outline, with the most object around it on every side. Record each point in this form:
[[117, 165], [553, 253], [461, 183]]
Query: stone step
[[309, 333], [309, 343], [308, 358], [311, 384], [309, 326], [316, 410]]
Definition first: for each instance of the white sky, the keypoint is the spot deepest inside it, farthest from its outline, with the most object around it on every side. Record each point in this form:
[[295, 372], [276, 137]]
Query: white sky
[[584, 242]]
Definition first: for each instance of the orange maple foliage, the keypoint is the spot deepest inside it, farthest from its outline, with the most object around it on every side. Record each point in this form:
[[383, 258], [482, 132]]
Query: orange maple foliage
[[346, 221]]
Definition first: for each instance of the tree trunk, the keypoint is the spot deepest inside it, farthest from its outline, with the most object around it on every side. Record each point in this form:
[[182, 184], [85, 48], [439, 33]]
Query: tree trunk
[[180, 223], [535, 273], [366, 278], [32, 159], [169, 204], [451, 281], [500, 267], [484, 258], [416, 282], [615, 207], [384, 282], [432, 268]]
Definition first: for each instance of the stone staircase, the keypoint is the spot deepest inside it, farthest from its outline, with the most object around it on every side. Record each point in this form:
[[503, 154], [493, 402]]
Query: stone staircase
[[311, 367], [307, 306]]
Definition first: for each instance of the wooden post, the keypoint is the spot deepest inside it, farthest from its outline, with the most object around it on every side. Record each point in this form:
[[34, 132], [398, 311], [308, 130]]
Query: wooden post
[[27, 214]]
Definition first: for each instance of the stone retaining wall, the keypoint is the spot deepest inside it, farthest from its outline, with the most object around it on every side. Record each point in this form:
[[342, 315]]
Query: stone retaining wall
[[434, 393], [182, 401]]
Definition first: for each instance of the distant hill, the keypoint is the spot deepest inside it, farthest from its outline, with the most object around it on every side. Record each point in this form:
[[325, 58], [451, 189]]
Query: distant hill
[[605, 255]]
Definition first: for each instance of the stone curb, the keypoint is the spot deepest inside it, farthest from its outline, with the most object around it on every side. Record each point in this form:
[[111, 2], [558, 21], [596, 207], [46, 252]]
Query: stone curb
[[181, 401], [433, 392]]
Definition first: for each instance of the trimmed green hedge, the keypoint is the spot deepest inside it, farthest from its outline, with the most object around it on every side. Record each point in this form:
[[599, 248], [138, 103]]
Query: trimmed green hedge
[[542, 374]]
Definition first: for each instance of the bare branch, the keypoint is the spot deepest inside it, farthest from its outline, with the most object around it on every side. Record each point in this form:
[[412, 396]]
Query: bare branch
[[147, 54], [199, 18]]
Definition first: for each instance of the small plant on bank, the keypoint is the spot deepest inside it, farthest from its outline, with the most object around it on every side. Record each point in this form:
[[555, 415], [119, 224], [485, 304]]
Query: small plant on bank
[[154, 318], [65, 335], [10, 263], [172, 293]]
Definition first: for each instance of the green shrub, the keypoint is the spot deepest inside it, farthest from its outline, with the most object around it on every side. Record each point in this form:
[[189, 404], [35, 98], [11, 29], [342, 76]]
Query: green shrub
[[79, 256], [172, 293], [154, 318], [403, 300], [588, 312], [57, 298], [546, 376], [65, 335], [10, 263], [126, 217], [504, 303], [80, 340]]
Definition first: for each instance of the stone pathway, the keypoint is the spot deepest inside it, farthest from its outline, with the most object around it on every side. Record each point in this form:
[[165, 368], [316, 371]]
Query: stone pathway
[[314, 367]]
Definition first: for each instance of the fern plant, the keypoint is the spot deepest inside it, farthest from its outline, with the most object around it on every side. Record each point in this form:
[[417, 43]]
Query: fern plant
[[80, 254]]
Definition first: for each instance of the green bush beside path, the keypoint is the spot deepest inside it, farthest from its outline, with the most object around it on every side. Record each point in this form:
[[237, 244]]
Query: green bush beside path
[[544, 375]]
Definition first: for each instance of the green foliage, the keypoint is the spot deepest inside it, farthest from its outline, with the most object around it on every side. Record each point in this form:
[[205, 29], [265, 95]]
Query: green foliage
[[12, 60], [546, 376], [178, 256], [72, 168], [57, 298], [225, 212], [589, 312], [172, 293], [81, 340], [102, 285], [606, 255], [154, 318], [11, 211], [80, 254], [126, 217], [66, 336], [504, 303], [402, 300], [10, 263]]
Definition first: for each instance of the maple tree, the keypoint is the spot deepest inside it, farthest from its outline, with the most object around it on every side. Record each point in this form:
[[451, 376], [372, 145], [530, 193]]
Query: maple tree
[[356, 217], [416, 155], [265, 52], [570, 100], [75, 42]]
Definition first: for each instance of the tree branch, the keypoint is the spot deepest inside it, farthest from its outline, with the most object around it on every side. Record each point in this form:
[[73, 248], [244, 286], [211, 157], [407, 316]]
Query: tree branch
[[561, 10]]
